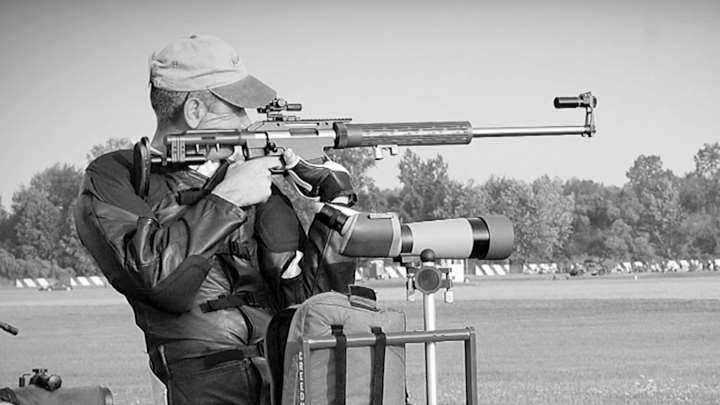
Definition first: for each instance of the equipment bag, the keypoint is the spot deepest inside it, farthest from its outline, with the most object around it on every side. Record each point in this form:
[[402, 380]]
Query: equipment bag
[[339, 375], [34, 395]]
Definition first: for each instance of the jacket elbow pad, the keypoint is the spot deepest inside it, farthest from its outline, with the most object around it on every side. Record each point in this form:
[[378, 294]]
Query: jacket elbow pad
[[176, 292]]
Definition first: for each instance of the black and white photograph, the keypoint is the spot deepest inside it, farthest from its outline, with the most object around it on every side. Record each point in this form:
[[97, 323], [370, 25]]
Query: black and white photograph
[[396, 202]]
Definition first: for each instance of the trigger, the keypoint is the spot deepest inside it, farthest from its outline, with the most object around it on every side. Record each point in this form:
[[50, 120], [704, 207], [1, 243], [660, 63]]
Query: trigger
[[282, 170]]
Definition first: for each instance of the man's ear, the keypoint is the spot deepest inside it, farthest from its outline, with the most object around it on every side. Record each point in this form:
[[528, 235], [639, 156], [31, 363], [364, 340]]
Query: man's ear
[[193, 111]]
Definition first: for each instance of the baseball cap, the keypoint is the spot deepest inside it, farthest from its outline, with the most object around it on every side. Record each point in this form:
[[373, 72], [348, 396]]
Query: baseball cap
[[205, 62]]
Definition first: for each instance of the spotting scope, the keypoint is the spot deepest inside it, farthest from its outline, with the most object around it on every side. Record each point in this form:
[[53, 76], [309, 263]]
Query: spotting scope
[[366, 234]]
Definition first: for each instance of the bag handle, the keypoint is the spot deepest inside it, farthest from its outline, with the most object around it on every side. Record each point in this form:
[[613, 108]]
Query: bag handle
[[362, 297]]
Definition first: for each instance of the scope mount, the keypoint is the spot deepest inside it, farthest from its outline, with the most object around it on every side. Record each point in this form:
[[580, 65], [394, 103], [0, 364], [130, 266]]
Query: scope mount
[[275, 108], [425, 275]]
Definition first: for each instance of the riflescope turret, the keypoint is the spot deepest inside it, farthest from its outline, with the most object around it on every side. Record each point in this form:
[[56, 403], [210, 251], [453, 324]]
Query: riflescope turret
[[365, 234]]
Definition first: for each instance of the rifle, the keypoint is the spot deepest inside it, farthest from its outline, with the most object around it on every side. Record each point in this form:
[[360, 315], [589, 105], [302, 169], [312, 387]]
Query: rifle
[[310, 138]]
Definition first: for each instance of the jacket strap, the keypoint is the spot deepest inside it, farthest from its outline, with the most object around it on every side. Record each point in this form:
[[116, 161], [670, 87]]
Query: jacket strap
[[239, 299], [239, 353]]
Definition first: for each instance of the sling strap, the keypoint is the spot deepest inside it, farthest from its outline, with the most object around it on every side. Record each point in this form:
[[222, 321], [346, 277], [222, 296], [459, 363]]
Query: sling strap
[[340, 363], [140, 175], [193, 195], [241, 249], [242, 298], [378, 365]]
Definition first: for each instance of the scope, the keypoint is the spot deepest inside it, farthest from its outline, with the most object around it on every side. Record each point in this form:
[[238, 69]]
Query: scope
[[489, 237]]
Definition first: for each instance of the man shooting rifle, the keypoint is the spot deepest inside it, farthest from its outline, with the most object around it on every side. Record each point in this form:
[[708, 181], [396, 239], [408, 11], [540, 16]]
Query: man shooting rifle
[[191, 229], [205, 254]]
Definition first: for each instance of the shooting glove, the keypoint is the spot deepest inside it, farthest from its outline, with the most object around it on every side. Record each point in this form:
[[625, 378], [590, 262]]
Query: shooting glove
[[328, 182]]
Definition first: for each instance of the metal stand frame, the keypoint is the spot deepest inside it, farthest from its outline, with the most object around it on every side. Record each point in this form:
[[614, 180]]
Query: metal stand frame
[[466, 335], [428, 278], [430, 363]]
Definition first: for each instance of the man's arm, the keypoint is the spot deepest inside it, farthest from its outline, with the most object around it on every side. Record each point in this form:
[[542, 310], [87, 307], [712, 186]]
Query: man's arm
[[161, 261], [297, 266]]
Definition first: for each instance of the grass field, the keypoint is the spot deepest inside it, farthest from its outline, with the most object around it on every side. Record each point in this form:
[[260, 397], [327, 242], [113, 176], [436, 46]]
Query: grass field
[[540, 341]]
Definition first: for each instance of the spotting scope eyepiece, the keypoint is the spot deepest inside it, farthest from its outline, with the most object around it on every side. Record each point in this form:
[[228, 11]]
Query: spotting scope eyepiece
[[364, 234], [585, 100]]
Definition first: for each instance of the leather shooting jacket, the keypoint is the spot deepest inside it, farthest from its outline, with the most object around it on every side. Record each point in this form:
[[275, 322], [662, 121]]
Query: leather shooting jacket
[[170, 256]]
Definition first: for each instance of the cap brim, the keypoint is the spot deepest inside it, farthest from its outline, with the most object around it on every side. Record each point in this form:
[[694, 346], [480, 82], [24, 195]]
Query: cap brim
[[248, 92]]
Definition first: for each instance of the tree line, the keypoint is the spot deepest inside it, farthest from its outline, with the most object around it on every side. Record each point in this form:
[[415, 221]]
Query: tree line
[[38, 238], [655, 215]]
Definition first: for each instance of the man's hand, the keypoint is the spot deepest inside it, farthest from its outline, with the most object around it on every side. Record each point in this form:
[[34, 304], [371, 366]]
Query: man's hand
[[247, 182], [326, 182]]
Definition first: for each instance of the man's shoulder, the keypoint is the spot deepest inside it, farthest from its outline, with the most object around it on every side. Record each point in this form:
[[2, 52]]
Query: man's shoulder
[[121, 159], [109, 175], [109, 179]]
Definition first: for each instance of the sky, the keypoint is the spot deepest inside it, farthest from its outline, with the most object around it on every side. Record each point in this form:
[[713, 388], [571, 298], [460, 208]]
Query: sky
[[74, 73]]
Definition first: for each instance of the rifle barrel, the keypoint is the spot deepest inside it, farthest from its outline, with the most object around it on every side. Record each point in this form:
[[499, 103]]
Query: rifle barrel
[[498, 132]]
